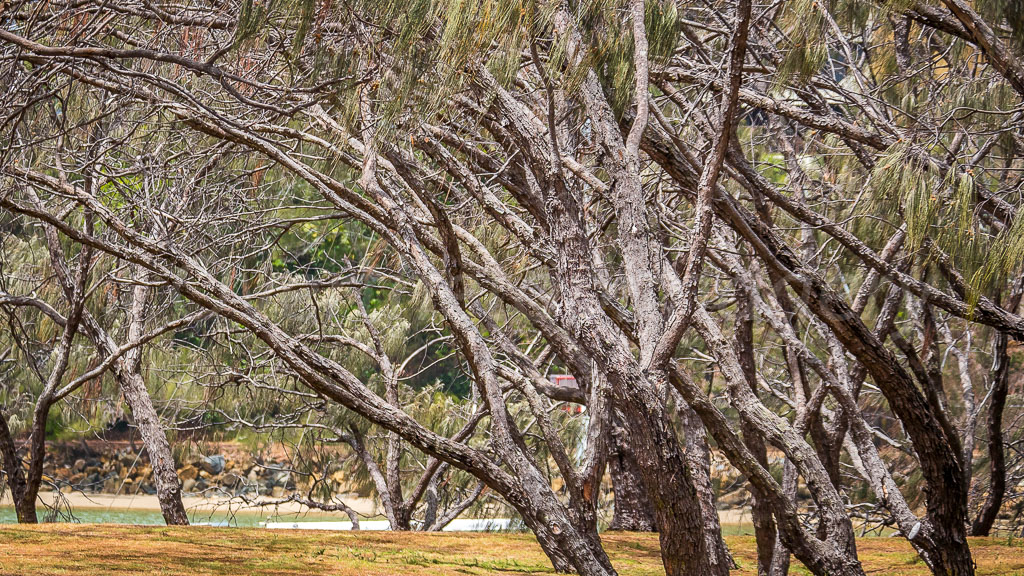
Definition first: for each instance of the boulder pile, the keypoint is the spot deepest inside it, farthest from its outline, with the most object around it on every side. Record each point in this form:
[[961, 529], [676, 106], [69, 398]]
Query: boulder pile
[[127, 471]]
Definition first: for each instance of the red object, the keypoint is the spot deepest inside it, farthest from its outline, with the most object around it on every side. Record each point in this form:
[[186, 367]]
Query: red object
[[567, 381]]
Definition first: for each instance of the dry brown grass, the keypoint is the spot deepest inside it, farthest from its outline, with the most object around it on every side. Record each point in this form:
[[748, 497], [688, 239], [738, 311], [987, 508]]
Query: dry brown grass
[[97, 549]]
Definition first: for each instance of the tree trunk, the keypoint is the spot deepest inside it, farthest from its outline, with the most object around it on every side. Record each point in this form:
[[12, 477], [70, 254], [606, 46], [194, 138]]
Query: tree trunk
[[168, 489], [982, 524], [698, 454], [127, 373], [24, 508], [403, 520], [780, 554], [633, 510], [765, 533], [670, 486], [26, 505]]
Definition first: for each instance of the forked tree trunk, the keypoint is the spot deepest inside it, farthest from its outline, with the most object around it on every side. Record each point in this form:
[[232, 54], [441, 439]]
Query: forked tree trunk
[[25, 509], [129, 378]]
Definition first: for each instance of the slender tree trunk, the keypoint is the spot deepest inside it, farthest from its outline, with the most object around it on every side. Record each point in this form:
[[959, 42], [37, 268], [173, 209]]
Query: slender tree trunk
[[982, 525], [760, 510], [36, 455], [780, 554], [168, 489], [133, 386]]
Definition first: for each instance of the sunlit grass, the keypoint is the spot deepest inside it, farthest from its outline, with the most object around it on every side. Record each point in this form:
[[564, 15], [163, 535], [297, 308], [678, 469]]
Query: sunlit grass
[[97, 549]]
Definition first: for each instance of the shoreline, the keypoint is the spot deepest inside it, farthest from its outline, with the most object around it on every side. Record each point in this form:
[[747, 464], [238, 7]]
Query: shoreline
[[149, 503], [366, 507]]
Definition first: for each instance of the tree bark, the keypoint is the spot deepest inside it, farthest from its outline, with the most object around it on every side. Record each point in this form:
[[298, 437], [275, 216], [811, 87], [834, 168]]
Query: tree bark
[[126, 371], [760, 510], [982, 525], [698, 455], [670, 486], [133, 386], [24, 508], [633, 511]]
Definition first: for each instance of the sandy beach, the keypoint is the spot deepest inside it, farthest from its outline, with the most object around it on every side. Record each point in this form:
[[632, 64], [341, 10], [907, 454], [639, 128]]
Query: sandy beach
[[145, 502]]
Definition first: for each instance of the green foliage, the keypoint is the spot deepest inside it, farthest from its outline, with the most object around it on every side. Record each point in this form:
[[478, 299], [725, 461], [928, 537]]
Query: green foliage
[[1010, 11], [610, 44], [804, 25], [942, 212]]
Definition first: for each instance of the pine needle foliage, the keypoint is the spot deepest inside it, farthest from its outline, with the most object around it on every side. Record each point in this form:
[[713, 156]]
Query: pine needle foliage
[[807, 49], [940, 214]]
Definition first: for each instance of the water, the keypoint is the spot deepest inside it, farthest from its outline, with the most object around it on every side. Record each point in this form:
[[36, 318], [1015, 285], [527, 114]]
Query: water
[[153, 517]]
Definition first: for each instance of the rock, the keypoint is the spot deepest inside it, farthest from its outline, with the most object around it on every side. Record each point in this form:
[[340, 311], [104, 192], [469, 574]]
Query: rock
[[213, 464], [111, 484], [79, 465], [277, 492], [188, 473], [148, 488], [67, 489], [188, 485], [282, 479], [253, 476]]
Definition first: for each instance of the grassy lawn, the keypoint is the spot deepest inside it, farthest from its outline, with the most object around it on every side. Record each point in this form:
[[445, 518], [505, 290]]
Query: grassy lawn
[[97, 549]]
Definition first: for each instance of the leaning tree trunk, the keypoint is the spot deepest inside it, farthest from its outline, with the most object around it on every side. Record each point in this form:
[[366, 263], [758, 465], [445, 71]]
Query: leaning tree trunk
[[698, 454], [168, 490], [127, 373], [632, 506]]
